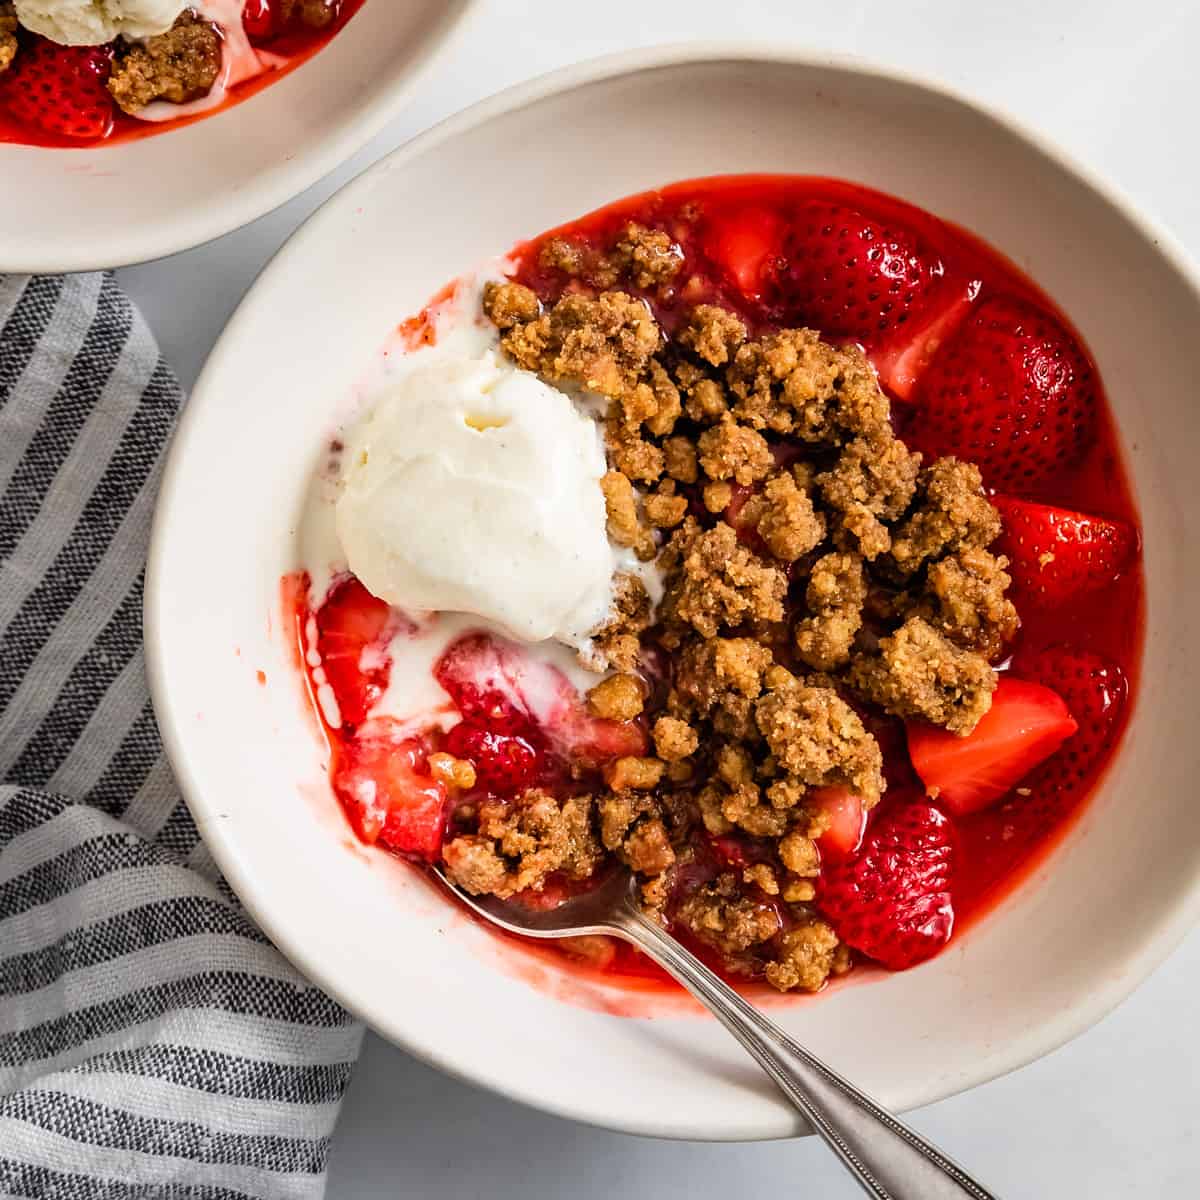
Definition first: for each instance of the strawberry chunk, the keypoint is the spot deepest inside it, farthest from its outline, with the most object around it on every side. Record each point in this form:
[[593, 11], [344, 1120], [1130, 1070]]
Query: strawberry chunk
[[61, 89], [260, 19], [1095, 691], [891, 900], [847, 817], [1012, 391], [382, 779], [744, 245], [353, 629], [504, 762], [1055, 554], [1025, 725], [491, 679], [853, 276], [903, 359]]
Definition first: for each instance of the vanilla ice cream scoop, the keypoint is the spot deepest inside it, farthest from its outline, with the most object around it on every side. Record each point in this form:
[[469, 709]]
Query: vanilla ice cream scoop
[[474, 487], [93, 22]]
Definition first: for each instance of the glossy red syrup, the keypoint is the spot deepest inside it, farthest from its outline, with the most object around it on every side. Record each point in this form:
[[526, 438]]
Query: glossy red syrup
[[751, 222], [295, 45]]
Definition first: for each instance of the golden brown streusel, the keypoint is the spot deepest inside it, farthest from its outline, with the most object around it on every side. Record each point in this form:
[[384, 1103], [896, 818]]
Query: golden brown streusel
[[665, 510], [964, 600], [713, 333], [919, 673], [952, 512], [806, 957], [733, 451], [453, 772], [817, 737], [625, 525], [8, 36], [851, 562], [674, 739], [616, 643], [617, 698], [835, 594], [716, 582], [603, 344], [783, 516], [681, 459], [632, 773], [519, 845], [509, 304], [178, 66]]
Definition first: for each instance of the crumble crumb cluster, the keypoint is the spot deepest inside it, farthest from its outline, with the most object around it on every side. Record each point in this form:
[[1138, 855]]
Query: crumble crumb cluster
[[178, 66], [811, 563], [183, 64], [8, 36]]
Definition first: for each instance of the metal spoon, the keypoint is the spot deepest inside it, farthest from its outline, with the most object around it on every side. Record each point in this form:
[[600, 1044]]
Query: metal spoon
[[888, 1159]]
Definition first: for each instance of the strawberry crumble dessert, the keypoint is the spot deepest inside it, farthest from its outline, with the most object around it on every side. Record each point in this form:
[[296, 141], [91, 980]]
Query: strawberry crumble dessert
[[85, 72], [766, 535]]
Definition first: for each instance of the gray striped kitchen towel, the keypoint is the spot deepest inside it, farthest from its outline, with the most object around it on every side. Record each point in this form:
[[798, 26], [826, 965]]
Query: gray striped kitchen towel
[[153, 1045]]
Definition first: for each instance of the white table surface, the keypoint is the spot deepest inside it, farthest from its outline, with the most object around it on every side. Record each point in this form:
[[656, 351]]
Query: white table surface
[[1114, 1114]]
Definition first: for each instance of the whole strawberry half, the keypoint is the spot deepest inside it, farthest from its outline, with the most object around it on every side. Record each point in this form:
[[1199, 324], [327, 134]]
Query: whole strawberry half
[[1011, 391], [851, 276], [891, 900], [353, 629], [1056, 554], [61, 89], [1026, 723], [1095, 691]]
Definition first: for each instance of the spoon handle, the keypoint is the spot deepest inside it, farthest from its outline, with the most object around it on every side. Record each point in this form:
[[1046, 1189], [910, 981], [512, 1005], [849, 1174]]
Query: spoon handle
[[888, 1159]]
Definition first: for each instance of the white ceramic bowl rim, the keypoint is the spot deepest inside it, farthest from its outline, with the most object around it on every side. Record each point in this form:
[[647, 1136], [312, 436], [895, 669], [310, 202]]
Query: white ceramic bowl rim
[[1048, 1035]]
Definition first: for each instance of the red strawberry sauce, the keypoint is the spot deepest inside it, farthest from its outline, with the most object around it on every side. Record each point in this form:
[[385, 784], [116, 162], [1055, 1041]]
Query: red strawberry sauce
[[293, 46], [866, 267]]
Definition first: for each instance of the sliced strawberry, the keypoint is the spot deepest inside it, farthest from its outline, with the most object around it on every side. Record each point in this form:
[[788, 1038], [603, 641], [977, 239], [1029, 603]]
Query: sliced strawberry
[[61, 89], [902, 359], [852, 276], [504, 762], [489, 678], [260, 19], [1095, 691], [892, 899], [1056, 554], [382, 779], [353, 629], [745, 247], [480, 674], [1025, 725], [1012, 391], [847, 816], [593, 741]]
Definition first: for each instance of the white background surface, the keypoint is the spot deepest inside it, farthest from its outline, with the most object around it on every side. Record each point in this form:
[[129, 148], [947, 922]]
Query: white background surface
[[1113, 1115]]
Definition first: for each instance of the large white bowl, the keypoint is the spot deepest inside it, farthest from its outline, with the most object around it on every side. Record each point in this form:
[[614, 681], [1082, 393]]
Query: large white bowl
[[109, 206], [1111, 902]]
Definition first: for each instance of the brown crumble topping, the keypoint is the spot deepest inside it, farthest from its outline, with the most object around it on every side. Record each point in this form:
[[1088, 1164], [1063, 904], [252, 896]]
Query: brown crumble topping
[[919, 673], [520, 845], [453, 772], [853, 564], [8, 36], [178, 66], [618, 698]]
